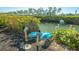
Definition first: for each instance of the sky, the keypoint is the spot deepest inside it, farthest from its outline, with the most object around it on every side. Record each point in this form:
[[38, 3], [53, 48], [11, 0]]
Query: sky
[[64, 9]]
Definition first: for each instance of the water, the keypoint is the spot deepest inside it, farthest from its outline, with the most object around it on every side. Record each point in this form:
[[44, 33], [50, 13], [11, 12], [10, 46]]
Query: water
[[49, 27]]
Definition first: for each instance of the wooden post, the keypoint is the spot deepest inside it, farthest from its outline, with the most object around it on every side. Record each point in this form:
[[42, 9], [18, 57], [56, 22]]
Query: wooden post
[[37, 41], [25, 35]]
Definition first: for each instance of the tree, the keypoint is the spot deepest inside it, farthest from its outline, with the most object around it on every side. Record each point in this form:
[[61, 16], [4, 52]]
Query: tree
[[25, 12], [30, 10], [75, 12], [59, 10], [40, 11], [20, 12], [54, 11], [49, 11]]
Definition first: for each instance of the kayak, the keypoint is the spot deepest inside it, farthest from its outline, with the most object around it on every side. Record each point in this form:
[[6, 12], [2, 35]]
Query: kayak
[[43, 35]]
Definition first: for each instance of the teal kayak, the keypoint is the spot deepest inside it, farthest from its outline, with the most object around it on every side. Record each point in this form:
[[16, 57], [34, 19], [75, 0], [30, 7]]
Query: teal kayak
[[43, 35]]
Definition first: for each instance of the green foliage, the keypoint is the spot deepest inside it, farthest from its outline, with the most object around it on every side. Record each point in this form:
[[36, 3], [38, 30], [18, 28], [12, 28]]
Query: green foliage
[[18, 23], [67, 19], [2, 22], [68, 37], [71, 19]]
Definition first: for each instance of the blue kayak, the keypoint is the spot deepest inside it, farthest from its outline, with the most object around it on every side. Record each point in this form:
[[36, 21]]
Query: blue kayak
[[43, 35]]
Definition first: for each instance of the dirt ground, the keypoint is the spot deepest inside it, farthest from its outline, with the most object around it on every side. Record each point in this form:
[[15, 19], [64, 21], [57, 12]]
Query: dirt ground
[[6, 42], [10, 41]]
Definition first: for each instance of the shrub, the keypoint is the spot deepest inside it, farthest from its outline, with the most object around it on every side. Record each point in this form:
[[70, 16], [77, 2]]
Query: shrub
[[56, 19], [2, 21], [69, 37], [18, 23]]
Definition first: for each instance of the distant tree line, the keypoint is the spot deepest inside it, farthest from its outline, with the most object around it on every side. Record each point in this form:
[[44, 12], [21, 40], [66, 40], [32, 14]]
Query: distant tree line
[[38, 12], [49, 11]]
